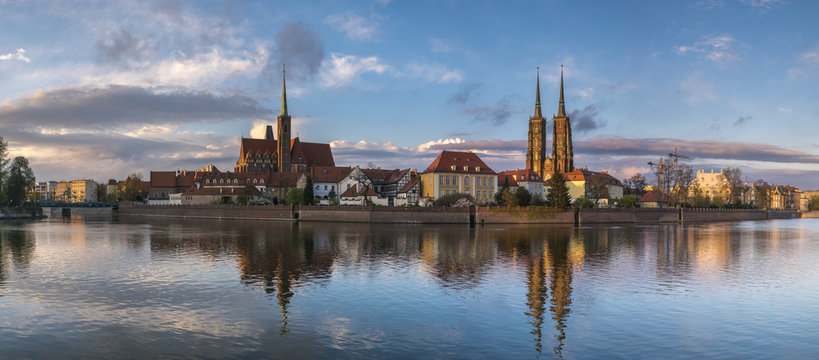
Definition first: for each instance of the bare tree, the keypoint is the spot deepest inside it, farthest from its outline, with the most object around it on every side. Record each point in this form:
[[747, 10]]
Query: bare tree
[[636, 184], [763, 196], [733, 176]]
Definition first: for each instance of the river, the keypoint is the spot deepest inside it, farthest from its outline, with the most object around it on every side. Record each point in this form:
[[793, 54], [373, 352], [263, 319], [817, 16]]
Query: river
[[171, 288]]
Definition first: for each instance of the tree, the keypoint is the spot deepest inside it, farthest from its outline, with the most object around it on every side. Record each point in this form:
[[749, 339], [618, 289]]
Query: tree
[[584, 203], [523, 196], [558, 195], [814, 203], [537, 200], [628, 201], [20, 180], [636, 185], [734, 178], [294, 196], [451, 199], [596, 188], [333, 197], [499, 196], [763, 194], [102, 192], [508, 198], [134, 188], [307, 193]]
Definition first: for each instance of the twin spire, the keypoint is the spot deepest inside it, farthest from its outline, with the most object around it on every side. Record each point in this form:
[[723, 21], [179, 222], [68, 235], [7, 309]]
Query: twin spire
[[284, 95], [561, 109]]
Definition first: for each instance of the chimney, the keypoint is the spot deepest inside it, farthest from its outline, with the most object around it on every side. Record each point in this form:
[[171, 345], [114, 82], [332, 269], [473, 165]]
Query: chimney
[[268, 133]]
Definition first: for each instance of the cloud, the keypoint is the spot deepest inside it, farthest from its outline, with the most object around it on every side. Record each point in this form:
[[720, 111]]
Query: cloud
[[784, 110], [343, 69], [497, 114], [586, 120], [19, 55], [696, 89], [298, 47], [742, 120], [432, 73], [707, 4], [441, 46], [121, 47], [762, 4], [809, 67], [698, 149], [94, 108], [354, 26], [721, 49], [463, 95]]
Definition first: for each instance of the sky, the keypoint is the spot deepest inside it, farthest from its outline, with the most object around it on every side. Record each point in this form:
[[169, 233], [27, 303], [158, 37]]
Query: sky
[[100, 90]]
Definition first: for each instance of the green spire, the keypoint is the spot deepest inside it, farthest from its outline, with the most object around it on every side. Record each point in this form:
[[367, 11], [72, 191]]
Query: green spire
[[284, 95], [561, 109], [537, 97]]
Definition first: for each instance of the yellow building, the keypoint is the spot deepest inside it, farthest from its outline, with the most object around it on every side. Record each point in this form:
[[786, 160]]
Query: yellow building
[[76, 191], [459, 172]]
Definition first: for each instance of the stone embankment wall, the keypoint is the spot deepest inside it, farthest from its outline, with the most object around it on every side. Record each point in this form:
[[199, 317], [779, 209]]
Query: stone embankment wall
[[11, 214], [395, 215], [501, 215], [518, 215], [811, 214], [270, 212]]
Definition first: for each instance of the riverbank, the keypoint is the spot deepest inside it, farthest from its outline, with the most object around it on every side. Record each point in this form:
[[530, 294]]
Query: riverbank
[[16, 214], [438, 215]]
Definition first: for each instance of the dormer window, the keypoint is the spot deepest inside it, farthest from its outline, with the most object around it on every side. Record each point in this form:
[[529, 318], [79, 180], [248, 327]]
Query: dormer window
[[478, 168], [207, 181], [221, 181], [466, 168], [235, 181], [261, 181]]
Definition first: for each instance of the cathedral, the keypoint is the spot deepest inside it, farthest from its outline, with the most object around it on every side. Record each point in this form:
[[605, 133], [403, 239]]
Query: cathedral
[[282, 154], [562, 158]]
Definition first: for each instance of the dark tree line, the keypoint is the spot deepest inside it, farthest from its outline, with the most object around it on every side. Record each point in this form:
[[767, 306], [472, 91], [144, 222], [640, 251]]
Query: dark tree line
[[16, 178]]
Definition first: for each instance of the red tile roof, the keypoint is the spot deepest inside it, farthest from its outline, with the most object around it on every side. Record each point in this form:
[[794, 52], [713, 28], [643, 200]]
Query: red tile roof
[[504, 179], [651, 196], [312, 154], [365, 190], [329, 174], [163, 179], [520, 175], [251, 190], [463, 162], [584, 175], [383, 177]]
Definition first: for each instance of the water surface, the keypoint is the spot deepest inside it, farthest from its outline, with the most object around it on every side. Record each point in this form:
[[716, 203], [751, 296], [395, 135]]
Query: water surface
[[147, 288]]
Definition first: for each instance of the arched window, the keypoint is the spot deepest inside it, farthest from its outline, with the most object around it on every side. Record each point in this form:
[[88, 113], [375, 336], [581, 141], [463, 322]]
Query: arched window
[[235, 181], [207, 181], [254, 181], [261, 181], [221, 181]]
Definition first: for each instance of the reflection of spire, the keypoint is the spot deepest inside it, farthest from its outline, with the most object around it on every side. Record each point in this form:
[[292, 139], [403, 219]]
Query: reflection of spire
[[536, 297], [283, 288], [560, 287]]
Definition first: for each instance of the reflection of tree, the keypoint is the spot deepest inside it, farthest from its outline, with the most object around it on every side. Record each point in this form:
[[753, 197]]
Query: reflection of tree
[[458, 258], [561, 281], [21, 245], [536, 273]]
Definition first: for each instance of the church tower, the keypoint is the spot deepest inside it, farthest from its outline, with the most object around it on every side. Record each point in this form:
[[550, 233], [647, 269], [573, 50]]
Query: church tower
[[536, 148], [562, 154], [283, 148]]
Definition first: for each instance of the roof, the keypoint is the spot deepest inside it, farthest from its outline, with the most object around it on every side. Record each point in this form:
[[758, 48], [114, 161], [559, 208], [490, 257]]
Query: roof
[[584, 175], [507, 179], [329, 174], [112, 181], [249, 189], [408, 186], [365, 190], [651, 196], [520, 175], [459, 162], [312, 154], [382, 177], [163, 179]]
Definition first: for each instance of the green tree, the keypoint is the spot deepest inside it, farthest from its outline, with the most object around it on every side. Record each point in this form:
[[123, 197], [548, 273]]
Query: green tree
[[523, 196], [537, 200], [558, 195], [499, 196], [135, 189], [584, 203], [449, 200], [333, 197], [814, 203], [20, 180], [307, 193], [294, 196], [735, 185], [628, 201]]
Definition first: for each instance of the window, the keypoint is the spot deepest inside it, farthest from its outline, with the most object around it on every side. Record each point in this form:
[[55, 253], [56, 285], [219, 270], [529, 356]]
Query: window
[[447, 192], [453, 167], [319, 187], [440, 179], [221, 181], [325, 187], [466, 168], [467, 192], [255, 180], [484, 181], [333, 187], [440, 193], [447, 179], [235, 181], [261, 181], [454, 180], [478, 168], [490, 181], [466, 181], [207, 181]]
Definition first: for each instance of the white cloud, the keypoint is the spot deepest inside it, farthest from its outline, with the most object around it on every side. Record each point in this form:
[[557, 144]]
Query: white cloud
[[765, 4], [696, 90], [343, 69], [809, 67], [720, 49], [433, 73], [785, 110], [363, 145], [298, 126], [19, 55], [429, 144], [354, 26], [437, 45]]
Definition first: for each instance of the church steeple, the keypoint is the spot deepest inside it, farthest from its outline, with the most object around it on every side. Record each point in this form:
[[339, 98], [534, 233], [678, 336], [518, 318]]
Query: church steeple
[[537, 97], [561, 109], [284, 95]]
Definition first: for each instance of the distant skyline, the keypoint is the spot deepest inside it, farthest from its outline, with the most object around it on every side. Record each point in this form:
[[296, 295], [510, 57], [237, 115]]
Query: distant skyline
[[100, 90]]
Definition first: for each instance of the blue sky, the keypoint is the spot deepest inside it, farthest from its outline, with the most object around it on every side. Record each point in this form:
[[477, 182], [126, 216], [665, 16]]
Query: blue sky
[[100, 90]]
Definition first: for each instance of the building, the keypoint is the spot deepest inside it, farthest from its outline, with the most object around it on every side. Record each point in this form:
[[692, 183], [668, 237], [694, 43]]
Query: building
[[360, 195], [164, 183], [711, 185], [652, 199], [785, 197], [525, 178], [45, 189], [459, 172], [284, 154], [112, 190], [386, 183], [409, 193], [562, 158], [586, 183], [212, 195], [326, 180], [75, 191]]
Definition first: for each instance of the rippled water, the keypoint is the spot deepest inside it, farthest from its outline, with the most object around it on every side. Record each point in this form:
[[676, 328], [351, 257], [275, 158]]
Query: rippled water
[[137, 288]]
